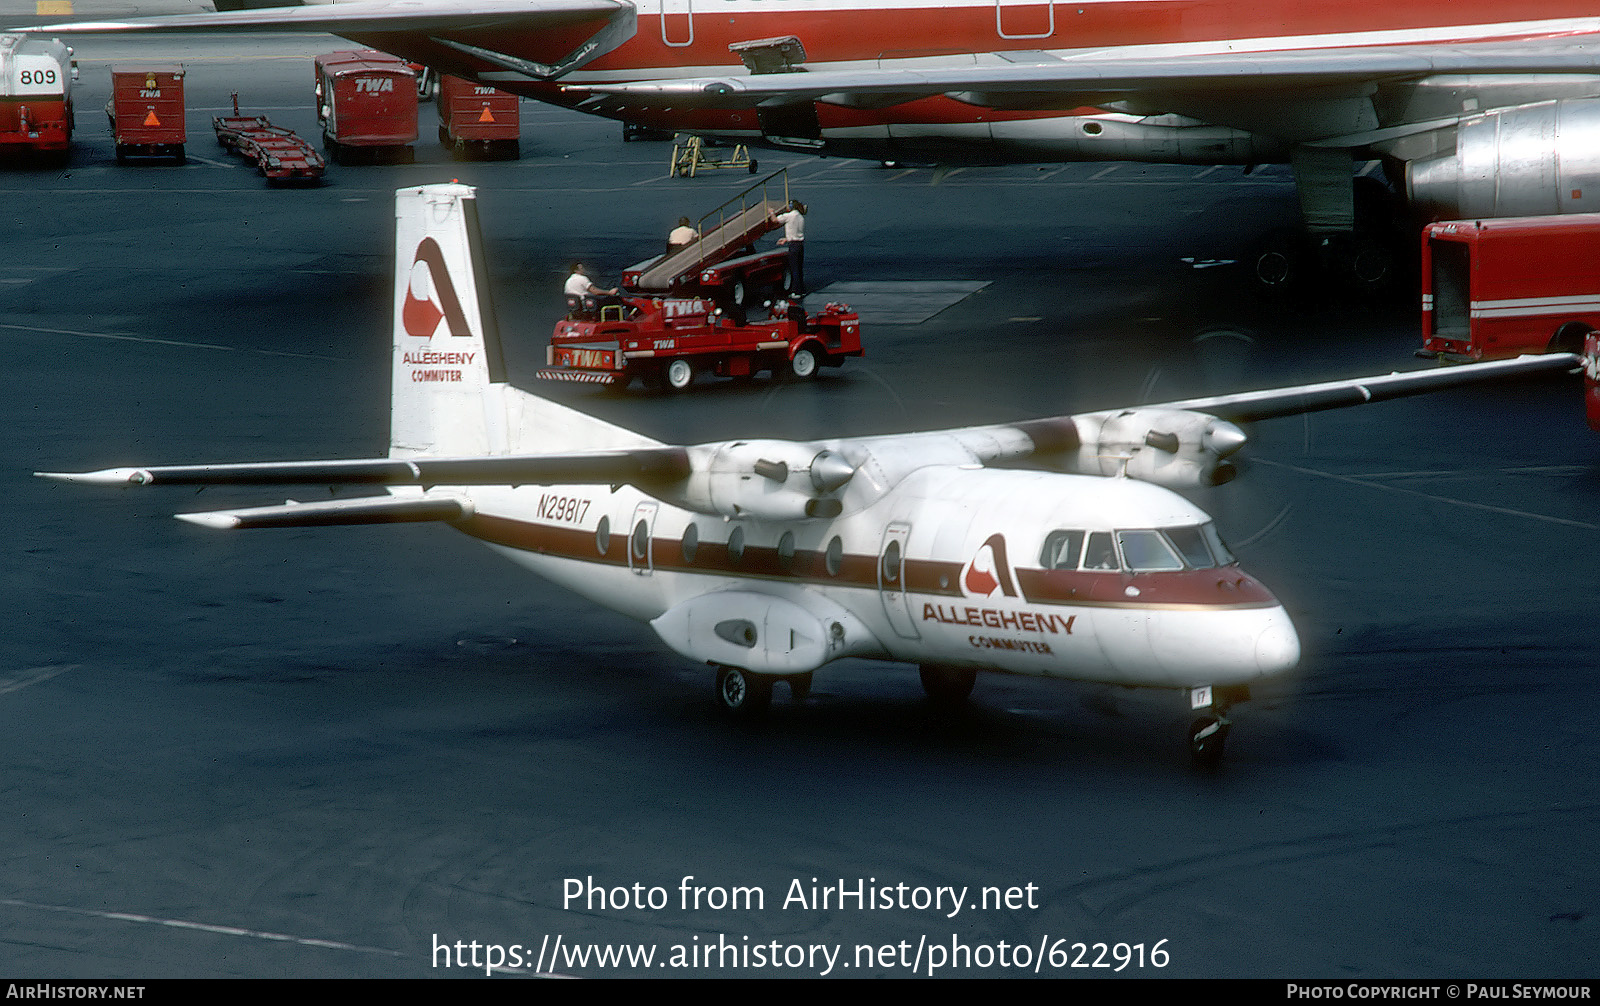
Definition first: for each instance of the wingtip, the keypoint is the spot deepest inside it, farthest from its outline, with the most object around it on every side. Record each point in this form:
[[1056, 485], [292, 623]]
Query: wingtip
[[104, 477], [220, 520]]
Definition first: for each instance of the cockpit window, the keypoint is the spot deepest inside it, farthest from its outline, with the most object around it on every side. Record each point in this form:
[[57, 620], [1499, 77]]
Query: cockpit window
[[1218, 549], [1061, 550], [1148, 552], [1191, 544], [1100, 553], [1141, 551]]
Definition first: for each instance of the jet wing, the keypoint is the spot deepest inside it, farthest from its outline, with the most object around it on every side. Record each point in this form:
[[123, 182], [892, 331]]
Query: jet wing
[[553, 36], [1040, 80]]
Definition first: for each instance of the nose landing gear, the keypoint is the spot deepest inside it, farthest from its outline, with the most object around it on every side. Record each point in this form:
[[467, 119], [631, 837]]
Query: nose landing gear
[[1208, 735]]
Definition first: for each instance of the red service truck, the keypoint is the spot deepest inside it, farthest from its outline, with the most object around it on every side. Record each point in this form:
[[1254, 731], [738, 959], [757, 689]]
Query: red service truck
[[1501, 288], [478, 120], [367, 105], [713, 306], [36, 77], [146, 111]]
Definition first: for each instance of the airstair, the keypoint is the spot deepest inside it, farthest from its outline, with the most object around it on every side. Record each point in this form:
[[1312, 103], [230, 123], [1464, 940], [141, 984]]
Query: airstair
[[724, 232]]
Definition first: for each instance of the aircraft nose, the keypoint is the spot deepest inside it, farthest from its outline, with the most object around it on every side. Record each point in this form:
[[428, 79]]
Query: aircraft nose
[[1278, 646]]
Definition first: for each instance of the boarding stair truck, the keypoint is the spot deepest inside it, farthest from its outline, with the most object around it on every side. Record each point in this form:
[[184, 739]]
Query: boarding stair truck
[[367, 106], [1501, 288], [36, 78], [479, 120], [722, 265], [146, 111], [713, 306]]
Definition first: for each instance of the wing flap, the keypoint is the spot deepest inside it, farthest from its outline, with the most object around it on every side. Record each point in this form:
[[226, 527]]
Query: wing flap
[[554, 36], [358, 15], [329, 513]]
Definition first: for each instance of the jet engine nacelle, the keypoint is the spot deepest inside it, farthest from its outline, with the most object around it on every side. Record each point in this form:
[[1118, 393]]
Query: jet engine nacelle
[[1170, 447], [768, 479], [1528, 160]]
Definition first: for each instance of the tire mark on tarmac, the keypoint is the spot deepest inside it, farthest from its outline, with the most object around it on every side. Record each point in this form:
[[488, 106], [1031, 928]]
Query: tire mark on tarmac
[[166, 342], [1109, 896], [32, 676], [202, 927]]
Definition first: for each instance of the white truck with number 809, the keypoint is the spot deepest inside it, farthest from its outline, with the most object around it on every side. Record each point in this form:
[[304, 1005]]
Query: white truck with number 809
[[36, 77]]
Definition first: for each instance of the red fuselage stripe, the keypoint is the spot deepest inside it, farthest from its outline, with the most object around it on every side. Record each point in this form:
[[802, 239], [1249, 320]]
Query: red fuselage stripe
[[1226, 587]]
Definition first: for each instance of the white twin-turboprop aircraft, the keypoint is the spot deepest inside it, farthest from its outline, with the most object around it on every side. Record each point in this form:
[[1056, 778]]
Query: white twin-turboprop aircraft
[[767, 558]]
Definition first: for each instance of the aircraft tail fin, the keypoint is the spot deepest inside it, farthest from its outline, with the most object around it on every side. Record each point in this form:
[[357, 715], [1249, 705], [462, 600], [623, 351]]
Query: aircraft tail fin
[[450, 393]]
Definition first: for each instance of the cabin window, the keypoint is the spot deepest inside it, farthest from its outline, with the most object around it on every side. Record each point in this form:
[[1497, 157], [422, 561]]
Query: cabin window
[[602, 536], [786, 551], [1099, 553], [1061, 550], [1148, 552], [691, 542], [834, 557], [736, 544], [641, 540]]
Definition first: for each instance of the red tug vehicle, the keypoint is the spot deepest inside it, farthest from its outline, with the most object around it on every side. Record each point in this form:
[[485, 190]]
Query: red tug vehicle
[[712, 306]]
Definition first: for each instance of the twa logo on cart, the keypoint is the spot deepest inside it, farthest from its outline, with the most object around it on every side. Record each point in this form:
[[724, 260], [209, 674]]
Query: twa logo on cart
[[431, 297], [374, 85]]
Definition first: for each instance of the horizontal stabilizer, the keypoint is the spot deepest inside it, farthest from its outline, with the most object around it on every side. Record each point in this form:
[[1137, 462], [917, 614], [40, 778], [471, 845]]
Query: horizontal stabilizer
[[371, 510], [649, 467]]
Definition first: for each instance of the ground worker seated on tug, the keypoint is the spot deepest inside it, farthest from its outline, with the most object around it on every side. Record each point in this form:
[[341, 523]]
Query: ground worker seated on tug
[[584, 299]]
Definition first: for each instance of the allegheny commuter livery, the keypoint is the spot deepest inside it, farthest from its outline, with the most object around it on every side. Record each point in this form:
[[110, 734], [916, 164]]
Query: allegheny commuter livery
[[769, 559]]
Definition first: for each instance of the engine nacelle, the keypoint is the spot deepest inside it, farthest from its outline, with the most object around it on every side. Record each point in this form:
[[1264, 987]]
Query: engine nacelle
[[1529, 160], [770, 479], [1170, 447]]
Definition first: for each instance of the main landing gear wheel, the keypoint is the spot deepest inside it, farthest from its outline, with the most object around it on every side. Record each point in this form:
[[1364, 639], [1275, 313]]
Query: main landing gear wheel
[[742, 694], [948, 686], [800, 686], [680, 374], [1207, 736]]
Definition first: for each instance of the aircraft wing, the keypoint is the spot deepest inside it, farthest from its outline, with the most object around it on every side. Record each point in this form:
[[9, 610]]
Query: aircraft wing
[[1040, 80], [553, 36], [1253, 405], [1061, 435], [1182, 443], [646, 468]]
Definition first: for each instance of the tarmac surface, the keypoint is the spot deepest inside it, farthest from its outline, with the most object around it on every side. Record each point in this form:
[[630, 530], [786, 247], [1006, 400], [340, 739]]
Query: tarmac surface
[[330, 752]]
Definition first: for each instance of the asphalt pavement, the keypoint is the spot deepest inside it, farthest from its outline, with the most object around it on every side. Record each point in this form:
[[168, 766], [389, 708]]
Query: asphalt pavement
[[331, 752]]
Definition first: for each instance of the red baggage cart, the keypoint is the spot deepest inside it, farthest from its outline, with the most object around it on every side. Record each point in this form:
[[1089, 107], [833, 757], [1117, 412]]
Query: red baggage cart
[[367, 105], [476, 119], [146, 111]]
